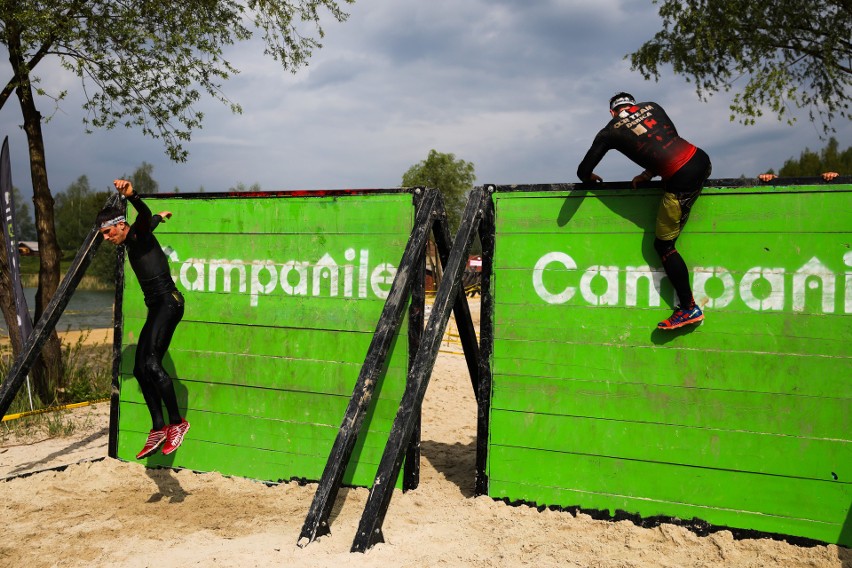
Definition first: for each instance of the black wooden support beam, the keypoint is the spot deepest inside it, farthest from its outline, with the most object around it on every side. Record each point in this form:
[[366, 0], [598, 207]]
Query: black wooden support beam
[[316, 522], [486, 345], [461, 309], [47, 322], [416, 320], [369, 529]]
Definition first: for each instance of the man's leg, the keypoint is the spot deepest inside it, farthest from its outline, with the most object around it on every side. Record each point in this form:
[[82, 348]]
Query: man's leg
[[671, 217], [157, 436], [169, 315], [682, 191], [166, 316], [149, 391], [676, 270]]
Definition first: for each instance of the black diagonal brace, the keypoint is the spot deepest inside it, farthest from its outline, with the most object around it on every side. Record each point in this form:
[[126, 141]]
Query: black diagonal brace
[[51, 315], [461, 309], [369, 529], [316, 522], [117, 337]]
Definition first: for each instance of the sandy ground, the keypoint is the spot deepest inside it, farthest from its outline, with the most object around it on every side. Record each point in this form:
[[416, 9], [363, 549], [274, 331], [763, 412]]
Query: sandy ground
[[112, 513]]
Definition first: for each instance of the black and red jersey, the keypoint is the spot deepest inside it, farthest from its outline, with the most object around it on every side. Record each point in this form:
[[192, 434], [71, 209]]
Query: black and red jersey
[[645, 134], [147, 259]]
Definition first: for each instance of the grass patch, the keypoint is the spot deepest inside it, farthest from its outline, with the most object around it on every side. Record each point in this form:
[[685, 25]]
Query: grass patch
[[88, 377]]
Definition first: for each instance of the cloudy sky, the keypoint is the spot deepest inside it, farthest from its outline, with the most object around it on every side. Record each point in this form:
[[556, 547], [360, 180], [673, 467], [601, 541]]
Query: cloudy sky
[[517, 87]]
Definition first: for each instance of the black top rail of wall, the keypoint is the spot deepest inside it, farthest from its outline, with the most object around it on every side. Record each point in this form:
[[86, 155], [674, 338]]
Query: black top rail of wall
[[283, 193], [732, 183]]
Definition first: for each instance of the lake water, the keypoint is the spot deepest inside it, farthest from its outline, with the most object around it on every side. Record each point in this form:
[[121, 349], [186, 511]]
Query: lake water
[[86, 310]]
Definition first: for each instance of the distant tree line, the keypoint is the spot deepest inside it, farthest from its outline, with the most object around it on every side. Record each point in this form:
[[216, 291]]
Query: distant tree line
[[809, 164]]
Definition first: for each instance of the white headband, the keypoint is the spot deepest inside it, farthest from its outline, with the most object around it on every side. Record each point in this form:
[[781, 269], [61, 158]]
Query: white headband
[[112, 222], [621, 101]]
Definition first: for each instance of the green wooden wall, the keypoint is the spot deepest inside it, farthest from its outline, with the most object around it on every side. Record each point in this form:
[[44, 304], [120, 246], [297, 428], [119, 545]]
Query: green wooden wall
[[743, 421], [282, 298]]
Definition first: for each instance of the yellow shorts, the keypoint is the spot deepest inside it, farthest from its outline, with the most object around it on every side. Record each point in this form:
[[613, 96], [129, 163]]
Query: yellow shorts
[[673, 213]]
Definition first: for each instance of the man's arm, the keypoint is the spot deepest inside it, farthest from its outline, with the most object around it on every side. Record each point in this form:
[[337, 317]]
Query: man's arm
[[145, 221], [643, 177], [585, 171]]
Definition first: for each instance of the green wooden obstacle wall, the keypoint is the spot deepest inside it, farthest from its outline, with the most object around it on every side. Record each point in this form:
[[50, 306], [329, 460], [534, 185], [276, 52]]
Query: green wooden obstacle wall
[[743, 421], [282, 298]]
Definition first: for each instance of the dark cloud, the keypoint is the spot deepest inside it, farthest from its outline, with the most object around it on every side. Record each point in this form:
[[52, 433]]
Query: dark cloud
[[518, 88]]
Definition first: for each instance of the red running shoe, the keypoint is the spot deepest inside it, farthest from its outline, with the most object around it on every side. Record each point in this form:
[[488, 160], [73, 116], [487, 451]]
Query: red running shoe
[[156, 438], [682, 317], [174, 436]]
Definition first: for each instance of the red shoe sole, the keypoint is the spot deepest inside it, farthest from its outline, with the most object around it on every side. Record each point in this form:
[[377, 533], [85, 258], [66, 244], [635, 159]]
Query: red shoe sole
[[143, 454], [685, 323]]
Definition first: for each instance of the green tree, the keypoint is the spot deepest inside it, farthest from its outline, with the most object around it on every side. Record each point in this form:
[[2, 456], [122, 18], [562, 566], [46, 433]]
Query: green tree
[[141, 65], [23, 219], [453, 178], [142, 180], [829, 159], [76, 209], [782, 53]]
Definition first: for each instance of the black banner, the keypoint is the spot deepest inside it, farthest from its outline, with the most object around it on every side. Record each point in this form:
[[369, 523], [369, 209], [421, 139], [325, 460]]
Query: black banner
[[10, 234]]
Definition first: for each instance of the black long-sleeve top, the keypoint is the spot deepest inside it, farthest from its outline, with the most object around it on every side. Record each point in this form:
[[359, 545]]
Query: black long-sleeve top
[[146, 257], [645, 134]]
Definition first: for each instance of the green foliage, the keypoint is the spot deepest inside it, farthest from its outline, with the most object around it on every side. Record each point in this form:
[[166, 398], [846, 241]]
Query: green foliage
[[453, 178], [143, 182], [24, 221], [88, 370], [829, 159], [75, 211], [147, 64], [789, 52]]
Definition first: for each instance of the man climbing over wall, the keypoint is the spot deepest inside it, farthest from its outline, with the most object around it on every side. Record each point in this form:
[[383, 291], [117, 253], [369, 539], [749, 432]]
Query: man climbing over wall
[[645, 134], [165, 310]]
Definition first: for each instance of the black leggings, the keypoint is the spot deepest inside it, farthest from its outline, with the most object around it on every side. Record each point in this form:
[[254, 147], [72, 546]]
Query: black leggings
[[164, 313], [683, 190]]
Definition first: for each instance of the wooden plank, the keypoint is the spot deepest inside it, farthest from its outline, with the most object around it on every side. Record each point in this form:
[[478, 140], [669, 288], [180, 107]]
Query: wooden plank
[[302, 247], [736, 252], [650, 508], [715, 448], [305, 407], [277, 311], [770, 332], [606, 210], [388, 213], [262, 371], [263, 465], [808, 417], [772, 372], [605, 482], [274, 434], [304, 343]]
